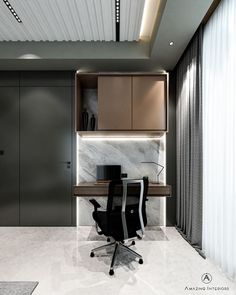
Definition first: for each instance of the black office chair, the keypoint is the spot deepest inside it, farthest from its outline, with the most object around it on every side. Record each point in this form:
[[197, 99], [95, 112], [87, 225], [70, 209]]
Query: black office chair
[[124, 217]]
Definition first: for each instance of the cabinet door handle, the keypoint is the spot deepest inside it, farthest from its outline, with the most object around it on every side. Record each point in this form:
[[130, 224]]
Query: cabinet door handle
[[68, 163]]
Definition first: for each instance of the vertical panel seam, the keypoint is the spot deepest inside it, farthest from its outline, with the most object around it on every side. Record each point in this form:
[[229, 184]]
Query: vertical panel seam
[[72, 150], [19, 152]]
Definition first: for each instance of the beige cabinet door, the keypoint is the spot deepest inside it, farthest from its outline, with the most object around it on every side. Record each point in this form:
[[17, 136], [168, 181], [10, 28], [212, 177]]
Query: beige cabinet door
[[114, 103], [149, 103]]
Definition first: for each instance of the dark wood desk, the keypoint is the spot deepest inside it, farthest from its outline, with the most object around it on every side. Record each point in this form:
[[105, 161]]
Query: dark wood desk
[[90, 189]]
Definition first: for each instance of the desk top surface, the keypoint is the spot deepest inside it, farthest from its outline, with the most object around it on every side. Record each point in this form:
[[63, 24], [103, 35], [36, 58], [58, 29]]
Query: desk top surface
[[88, 189]]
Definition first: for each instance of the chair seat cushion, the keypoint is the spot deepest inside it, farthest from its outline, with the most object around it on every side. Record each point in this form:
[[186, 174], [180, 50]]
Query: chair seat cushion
[[114, 228]]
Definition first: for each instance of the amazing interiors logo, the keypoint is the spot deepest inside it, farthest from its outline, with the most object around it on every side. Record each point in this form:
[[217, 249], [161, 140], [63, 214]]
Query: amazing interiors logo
[[207, 284], [206, 278]]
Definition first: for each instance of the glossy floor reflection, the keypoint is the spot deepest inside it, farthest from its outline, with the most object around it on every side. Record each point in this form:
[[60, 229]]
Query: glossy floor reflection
[[59, 259]]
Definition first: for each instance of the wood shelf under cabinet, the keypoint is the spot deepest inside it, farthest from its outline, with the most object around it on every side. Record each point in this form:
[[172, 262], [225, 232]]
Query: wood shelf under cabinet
[[122, 134]]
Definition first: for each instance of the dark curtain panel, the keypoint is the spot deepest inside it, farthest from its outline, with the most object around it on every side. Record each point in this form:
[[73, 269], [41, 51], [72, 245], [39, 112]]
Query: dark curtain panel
[[189, 142]]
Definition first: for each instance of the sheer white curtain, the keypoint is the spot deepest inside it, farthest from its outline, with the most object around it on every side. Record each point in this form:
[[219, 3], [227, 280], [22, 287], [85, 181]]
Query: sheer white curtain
[[219, 137]]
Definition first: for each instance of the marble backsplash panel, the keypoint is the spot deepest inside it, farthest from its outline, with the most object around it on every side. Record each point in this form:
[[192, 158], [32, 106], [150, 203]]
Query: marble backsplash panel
[[127, 153]]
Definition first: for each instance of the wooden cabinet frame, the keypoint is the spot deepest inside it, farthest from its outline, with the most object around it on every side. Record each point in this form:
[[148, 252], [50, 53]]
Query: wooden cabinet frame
[[90, 80]]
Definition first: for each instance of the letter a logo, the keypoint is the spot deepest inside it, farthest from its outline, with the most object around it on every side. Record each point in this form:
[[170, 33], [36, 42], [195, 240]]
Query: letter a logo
[[206, 278]]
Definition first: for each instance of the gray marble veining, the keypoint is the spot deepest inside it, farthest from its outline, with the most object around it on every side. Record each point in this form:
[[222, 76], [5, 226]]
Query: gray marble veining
[[129, 154]]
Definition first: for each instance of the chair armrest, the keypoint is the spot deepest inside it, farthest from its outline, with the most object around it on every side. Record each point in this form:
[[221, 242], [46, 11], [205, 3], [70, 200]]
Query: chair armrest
[[95, 204]]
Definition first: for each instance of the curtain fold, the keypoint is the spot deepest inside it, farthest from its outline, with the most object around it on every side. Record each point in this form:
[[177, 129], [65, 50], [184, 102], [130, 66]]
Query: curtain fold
[[219, 137], [189, 142]]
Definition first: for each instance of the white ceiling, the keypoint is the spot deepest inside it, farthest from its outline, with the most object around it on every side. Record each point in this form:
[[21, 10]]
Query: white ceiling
[[70, 20], [179, 21]]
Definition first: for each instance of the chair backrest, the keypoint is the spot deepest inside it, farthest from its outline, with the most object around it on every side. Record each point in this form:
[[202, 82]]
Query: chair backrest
[[126, 209]]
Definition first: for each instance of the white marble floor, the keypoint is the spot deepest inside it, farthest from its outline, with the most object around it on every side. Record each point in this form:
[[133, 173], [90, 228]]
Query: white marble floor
[[59, 259]]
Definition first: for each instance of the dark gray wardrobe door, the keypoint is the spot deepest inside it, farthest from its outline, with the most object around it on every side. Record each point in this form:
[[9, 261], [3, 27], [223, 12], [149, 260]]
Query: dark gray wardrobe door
[[45, 156], [9, 155]]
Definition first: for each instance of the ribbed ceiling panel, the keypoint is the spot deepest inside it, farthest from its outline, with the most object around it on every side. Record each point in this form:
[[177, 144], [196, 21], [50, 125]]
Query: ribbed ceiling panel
[[131, 12], [70, 20]]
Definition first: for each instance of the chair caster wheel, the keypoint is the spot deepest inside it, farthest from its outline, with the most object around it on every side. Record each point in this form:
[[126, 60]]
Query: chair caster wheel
[[133, 243], [111, 272], [108, 239], [140, 261], [91, 254]]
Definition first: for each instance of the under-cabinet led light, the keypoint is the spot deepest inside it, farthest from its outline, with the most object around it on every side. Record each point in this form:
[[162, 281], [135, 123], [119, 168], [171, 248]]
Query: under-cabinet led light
[[92, 138], [12, 10]]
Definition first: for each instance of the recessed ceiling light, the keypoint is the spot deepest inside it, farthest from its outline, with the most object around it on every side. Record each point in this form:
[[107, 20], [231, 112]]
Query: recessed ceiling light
[[117, 11], [171, 43], [12, 10], [117, 19]]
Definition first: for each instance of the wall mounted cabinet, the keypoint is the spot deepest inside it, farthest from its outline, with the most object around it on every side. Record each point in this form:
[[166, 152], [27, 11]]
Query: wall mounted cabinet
[[126, 102]]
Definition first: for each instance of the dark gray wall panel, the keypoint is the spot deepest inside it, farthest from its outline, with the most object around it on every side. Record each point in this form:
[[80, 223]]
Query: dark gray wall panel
[[9, 78], [45, 78], [73, 182], [9, 155], [45, 147], [73, 78], [171, 154]]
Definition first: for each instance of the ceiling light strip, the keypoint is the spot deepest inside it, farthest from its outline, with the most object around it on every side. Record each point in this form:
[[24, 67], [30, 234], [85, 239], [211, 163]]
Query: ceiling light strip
[[117, 16], [12, 10], [139, 15], [150, 13]]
